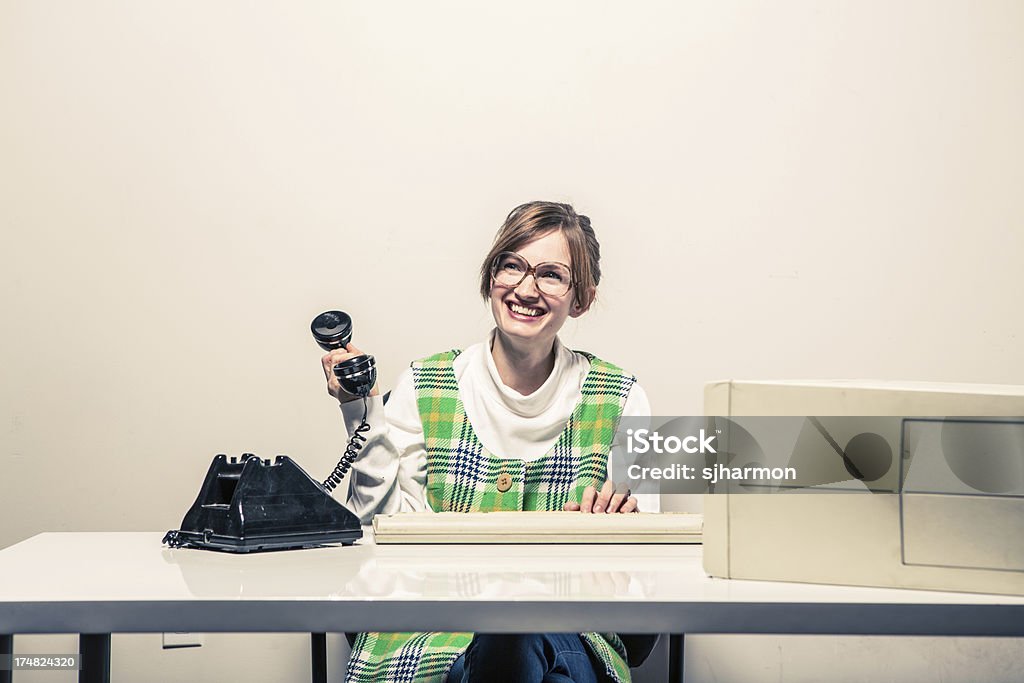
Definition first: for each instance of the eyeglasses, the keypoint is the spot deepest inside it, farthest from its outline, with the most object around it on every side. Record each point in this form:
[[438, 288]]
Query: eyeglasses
[[510, 269]]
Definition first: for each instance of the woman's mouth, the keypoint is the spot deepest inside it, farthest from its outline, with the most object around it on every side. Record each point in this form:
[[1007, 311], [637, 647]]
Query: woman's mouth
[[520, 312]]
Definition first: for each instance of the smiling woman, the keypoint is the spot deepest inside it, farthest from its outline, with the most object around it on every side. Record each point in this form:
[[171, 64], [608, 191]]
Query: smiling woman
[[531, 303], [518, 422]]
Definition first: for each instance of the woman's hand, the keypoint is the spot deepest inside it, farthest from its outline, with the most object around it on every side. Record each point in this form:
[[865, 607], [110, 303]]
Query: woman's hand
[[332, 359], [609, 499]]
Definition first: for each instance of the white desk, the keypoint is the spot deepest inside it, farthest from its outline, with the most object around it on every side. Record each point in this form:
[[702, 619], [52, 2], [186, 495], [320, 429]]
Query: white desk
[[99, 583]]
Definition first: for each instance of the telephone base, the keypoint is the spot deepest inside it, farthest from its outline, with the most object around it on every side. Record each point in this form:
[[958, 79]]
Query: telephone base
[[232, 544], [250, 505]]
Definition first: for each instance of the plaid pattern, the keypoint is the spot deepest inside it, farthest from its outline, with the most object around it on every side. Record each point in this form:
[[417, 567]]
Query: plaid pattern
[[462, 477], [405, 657]]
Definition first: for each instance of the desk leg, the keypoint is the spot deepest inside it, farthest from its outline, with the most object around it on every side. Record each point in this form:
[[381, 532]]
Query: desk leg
[[95, 651], [318, 654], [675, 657], [6, 650]]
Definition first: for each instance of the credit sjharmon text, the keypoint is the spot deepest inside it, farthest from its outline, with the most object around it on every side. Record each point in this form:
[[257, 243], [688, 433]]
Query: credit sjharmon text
[[644, 441]]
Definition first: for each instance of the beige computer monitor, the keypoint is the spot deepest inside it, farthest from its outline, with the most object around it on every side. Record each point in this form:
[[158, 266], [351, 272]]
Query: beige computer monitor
[[949, 525]]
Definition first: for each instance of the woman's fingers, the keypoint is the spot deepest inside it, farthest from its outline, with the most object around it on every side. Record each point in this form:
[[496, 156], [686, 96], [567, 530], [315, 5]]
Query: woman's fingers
[[331, 359], [587, 504], [604, 497], [608, 499], [618, 498], [332, 382], [336, 356]]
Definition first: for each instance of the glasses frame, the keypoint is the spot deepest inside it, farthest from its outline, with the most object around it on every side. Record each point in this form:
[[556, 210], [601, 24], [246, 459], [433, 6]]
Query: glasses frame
[[530, 270]]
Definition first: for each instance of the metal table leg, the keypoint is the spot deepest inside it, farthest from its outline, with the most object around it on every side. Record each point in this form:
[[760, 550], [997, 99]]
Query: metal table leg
[[675, 657], [6, 650], [95, 651], [318, 654]]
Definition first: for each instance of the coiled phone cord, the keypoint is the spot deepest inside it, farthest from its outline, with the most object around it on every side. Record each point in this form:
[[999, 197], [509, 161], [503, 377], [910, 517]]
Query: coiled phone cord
[[351, 452]]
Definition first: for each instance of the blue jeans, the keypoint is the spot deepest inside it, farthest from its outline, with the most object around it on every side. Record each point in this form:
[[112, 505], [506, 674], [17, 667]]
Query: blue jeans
[[524, 658]]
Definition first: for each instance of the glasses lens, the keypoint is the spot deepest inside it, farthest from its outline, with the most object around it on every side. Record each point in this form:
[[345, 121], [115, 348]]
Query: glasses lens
[[509, 269], [553, 278]]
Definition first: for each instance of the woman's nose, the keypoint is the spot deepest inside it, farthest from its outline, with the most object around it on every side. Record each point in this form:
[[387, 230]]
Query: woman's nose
[[527, 289]]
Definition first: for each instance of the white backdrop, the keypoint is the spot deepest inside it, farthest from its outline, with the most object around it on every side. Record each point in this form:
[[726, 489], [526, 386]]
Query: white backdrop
[[781, 190]]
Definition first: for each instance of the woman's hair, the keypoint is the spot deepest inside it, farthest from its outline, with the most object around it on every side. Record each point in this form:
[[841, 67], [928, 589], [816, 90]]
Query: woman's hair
[[532, 220]]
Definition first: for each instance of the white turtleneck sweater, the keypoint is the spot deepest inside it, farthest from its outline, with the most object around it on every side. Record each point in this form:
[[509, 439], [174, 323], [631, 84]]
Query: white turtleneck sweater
[[390, 474]]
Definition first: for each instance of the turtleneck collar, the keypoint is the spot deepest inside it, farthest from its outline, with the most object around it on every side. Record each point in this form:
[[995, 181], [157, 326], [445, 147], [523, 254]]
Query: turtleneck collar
[[524, 405]]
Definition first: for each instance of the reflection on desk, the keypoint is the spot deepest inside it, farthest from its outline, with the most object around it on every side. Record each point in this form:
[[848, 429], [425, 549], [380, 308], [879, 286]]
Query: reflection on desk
[[128, 582]]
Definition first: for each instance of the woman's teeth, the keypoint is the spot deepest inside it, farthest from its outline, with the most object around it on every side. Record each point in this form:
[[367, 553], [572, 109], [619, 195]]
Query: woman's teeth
[[523, 310]]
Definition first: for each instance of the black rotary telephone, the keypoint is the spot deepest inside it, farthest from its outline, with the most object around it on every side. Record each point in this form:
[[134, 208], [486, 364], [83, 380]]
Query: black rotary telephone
[[333, 330], [249, 504]]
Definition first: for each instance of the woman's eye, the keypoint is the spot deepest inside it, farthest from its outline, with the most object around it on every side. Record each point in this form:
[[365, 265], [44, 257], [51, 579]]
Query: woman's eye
[[552, 275]]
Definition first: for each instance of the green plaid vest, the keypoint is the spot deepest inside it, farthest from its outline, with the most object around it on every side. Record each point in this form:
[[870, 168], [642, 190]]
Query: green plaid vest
[[462, 476]]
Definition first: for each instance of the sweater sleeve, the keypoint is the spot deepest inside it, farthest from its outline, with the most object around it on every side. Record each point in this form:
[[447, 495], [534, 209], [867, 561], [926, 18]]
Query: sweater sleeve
[[636, 405], [390, 474]]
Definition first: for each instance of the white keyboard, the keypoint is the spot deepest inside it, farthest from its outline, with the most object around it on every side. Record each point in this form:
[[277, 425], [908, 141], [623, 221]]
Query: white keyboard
[[538, 527]]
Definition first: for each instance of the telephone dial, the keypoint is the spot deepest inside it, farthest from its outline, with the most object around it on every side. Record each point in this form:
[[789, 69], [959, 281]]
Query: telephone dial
[[250, 505]]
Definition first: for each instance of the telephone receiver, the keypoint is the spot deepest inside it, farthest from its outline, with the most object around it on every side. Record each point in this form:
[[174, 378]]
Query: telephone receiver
[[333, 330], [249, 504]]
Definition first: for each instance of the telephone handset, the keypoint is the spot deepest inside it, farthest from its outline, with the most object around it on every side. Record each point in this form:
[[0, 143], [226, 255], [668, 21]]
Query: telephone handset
[[249, 504], [333, 330]]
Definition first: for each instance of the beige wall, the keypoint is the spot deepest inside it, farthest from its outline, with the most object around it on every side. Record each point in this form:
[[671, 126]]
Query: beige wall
[[794, 189]]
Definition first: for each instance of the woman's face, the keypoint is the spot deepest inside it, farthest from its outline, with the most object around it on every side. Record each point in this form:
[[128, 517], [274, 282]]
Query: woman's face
[[525, 313]]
